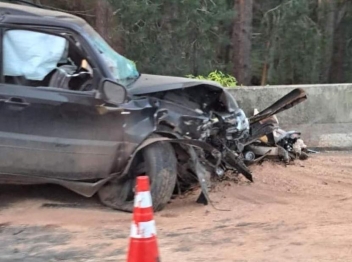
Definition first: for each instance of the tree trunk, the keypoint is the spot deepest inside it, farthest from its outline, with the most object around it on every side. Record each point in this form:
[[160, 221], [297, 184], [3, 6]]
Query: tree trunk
[[327, 16], [338, 60], [266, 65], [241, 39], [337, 69], [106, 25]]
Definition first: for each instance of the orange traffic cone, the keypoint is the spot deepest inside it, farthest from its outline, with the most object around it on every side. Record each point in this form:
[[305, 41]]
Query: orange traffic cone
[[143, 245]]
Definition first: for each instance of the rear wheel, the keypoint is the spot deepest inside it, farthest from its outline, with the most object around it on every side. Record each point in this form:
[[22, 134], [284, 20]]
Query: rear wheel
[[159, 163]]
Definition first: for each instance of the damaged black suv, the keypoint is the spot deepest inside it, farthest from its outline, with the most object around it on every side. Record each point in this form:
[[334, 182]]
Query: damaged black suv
[[76, 113]]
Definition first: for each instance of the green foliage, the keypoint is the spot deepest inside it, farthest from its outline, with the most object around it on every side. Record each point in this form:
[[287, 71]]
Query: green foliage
[[217, 76], [294, 43], [175, 37], [298, 41]]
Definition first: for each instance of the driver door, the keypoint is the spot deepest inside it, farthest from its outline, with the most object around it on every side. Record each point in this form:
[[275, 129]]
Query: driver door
[[49, 124]]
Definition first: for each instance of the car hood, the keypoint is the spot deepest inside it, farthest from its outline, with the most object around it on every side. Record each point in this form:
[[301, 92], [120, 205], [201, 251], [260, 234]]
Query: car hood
[[147, 84]]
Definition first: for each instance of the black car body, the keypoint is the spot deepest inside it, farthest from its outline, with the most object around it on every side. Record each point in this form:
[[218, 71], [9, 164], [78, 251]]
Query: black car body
[[76, 113]]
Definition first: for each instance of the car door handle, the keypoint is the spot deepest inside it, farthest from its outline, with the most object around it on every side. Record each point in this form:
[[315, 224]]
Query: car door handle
[[16, 101]]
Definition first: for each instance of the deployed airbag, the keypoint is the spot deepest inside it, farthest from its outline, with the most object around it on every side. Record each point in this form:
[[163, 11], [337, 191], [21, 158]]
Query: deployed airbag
[[31, 54]]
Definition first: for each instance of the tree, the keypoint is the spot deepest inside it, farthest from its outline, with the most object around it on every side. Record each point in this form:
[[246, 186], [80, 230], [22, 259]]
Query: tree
[[173, 37], [242, 33], [326, 20], [294, 52], [342, 33], [107, 25], [271, 41]]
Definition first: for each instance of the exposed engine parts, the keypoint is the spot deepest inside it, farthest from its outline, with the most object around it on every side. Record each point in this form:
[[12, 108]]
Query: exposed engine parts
[[215, 118]]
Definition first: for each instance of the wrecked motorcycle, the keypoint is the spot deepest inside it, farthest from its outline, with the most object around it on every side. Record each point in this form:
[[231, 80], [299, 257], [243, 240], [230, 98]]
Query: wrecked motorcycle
[[268, 139], [279, 144]]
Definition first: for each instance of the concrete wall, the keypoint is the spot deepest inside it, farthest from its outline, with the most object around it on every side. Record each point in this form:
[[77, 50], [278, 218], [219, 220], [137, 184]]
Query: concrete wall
[[325, 118]]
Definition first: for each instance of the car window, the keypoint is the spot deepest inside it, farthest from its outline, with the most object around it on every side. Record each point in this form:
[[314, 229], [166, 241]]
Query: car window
[[123, 70], [33, 58]]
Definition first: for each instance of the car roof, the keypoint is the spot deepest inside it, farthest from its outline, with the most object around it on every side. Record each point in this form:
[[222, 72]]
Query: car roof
[[24, 10]]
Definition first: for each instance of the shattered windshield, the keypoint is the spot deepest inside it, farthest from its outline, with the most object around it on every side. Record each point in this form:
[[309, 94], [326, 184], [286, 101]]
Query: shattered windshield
[[123, 69]]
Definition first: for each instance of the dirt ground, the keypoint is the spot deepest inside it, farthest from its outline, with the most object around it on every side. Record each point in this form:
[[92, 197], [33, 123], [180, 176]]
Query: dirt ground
[[295, 213]]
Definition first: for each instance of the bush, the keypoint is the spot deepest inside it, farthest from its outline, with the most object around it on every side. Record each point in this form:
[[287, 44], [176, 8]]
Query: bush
[[218, 76]]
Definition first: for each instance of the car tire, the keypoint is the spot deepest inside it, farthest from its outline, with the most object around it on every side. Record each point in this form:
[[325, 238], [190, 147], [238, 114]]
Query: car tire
[[160, 165]]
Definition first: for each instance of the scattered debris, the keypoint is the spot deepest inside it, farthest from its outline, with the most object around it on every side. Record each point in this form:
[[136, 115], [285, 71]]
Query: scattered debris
[[276, 143]]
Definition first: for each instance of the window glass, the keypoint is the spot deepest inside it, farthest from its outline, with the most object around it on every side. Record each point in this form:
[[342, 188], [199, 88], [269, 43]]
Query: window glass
[[123, 70], [33, 58]]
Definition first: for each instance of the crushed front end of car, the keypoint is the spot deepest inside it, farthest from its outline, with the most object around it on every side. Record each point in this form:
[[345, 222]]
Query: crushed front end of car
[[200, 111], [204, 111]]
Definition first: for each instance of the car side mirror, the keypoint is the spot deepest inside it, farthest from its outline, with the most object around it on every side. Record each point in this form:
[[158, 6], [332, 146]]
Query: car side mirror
[[113, 92]]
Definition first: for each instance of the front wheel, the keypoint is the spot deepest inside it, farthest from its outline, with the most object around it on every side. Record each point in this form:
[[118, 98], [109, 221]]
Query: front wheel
[[159, 163]]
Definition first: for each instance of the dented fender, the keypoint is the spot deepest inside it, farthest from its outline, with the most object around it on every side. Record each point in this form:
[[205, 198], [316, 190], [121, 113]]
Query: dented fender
[[197, 167]]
